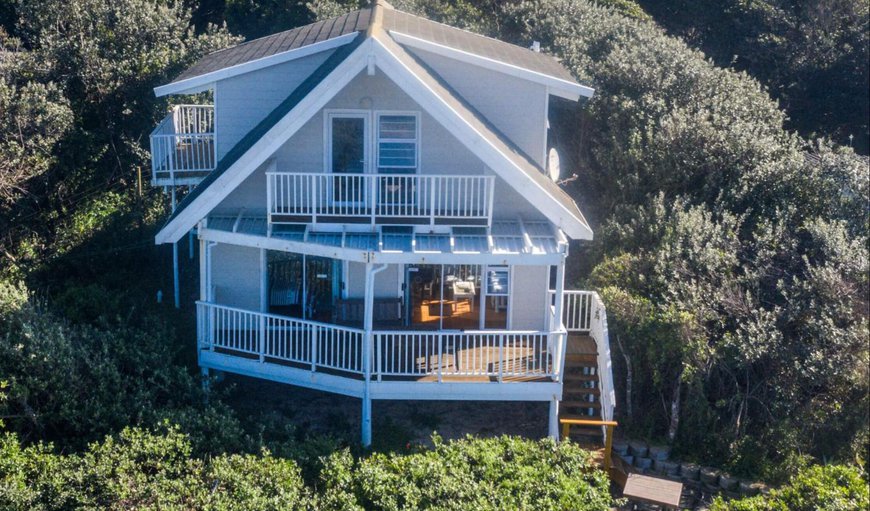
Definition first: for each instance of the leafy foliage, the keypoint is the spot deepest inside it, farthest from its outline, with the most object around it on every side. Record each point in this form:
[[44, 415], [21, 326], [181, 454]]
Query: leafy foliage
[[497, 473], [814, 56], [141, 470], [820, 487], [76, 81]]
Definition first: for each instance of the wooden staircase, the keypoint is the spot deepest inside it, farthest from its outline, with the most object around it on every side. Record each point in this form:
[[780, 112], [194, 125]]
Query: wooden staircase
[[581, 390]]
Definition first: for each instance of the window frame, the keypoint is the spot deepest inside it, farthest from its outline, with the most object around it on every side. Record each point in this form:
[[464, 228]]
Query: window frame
[[376, 166]]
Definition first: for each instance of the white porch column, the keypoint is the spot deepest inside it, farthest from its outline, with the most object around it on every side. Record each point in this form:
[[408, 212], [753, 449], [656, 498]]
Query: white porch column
[[368, 321], [203, 272], [553, 429], [558, 306], [368, 310]]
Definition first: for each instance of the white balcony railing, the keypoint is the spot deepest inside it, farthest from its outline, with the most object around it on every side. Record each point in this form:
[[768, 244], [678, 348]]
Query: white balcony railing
[[491, 353], [183, 145], [457, 199], [314, 344], [496, 354]]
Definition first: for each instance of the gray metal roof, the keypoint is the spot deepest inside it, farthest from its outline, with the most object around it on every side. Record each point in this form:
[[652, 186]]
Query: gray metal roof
[[506, 237], [281, 42], [475, 44], [359, 21]]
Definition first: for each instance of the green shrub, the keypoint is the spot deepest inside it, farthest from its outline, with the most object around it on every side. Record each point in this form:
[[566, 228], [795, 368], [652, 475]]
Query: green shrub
[[832, 487], [471, 474], [72, 384], [141, 470]]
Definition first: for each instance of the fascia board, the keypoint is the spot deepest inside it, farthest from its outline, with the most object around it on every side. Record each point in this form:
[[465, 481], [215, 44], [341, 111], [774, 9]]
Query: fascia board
[[559, 87]]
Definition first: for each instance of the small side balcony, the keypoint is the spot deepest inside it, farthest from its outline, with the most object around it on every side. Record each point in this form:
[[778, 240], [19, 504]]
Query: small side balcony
[[380, 199], [183, 146]]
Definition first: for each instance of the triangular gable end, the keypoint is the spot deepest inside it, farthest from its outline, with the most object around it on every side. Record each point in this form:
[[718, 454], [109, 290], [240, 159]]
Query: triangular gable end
[[550, 200], [246, 156], [477, 135]]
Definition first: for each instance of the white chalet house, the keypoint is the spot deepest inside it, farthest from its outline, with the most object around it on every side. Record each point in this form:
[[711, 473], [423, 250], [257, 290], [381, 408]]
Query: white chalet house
[[375, 217]]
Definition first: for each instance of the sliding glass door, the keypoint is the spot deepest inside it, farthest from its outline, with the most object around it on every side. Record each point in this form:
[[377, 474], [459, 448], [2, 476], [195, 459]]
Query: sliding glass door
[[453, 297], [302, 286]]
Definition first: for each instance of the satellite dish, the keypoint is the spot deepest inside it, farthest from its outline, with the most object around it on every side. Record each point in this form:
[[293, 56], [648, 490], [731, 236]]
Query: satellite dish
[[553, 167]]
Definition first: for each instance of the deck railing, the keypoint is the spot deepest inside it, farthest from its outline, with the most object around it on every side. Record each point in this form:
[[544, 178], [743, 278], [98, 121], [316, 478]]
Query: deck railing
[[294, 197], [584, 312], [495, 354], [183, 145], [269, 338]]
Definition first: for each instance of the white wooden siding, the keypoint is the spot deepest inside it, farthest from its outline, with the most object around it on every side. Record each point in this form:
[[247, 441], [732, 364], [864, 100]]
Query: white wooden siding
[[515, 106], [235, 276], [529, 288], [386, 282], [243, 101], [440, 151]]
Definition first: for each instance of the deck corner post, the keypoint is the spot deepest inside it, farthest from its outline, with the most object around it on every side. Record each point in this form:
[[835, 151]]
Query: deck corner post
[[559, 325], [553, 430], [261, 349]]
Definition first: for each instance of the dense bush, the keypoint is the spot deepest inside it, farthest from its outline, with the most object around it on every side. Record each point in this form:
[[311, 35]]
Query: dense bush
[[481, 474], [73, 383], [141, 470], [835, 487], [813, 55]]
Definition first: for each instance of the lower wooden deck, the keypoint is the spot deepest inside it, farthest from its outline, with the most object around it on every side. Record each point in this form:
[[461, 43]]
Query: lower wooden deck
[[424, 387], [478, 364]]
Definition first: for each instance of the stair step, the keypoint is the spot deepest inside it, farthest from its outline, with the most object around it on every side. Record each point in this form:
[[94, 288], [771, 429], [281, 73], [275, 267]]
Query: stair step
[[585, 357], [581, 391], [580, 377], [581, 404]]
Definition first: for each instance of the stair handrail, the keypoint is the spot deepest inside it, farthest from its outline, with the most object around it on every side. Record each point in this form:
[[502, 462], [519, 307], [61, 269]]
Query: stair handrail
[[599, 332]]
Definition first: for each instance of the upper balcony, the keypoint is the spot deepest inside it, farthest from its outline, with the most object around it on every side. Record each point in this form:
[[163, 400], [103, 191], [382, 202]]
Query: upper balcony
[[380, 199], [183, 146]]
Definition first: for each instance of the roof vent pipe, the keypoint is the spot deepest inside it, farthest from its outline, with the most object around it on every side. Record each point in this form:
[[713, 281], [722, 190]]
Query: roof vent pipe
[[536, 46]]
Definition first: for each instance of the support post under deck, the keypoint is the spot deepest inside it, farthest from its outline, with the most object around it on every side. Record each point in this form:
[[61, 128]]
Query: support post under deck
[[553, 429]]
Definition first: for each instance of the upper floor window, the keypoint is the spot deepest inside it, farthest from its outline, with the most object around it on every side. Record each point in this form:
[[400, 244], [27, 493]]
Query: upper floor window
[[398, 143]]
